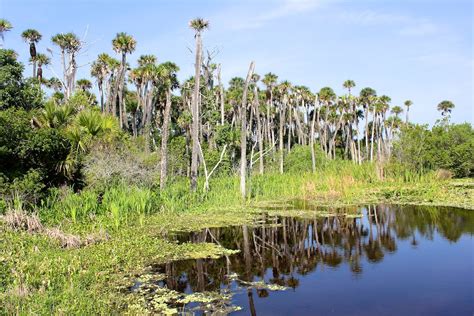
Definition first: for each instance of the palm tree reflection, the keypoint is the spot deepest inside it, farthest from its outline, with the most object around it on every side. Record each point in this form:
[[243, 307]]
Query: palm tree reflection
[[284, 249]]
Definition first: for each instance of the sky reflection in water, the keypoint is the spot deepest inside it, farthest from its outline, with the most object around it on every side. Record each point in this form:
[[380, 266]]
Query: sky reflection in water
[[391, 261]]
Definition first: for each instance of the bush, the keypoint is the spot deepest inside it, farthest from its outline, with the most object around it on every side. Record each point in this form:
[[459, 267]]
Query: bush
[[446, 146], [109, 164], [299, 159], [29, 157], [14, 90], [452, 147]]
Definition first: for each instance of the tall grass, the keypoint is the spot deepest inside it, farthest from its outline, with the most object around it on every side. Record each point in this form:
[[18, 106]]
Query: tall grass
[[122, 204]]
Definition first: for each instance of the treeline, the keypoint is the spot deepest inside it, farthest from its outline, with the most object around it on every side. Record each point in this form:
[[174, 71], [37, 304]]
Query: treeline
[[144, 118]]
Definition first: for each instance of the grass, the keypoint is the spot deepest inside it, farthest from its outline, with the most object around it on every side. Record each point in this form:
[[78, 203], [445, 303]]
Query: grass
[[38, 276]]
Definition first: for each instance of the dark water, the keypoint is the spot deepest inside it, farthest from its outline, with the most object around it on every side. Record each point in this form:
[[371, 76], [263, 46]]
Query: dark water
[[391, 261]]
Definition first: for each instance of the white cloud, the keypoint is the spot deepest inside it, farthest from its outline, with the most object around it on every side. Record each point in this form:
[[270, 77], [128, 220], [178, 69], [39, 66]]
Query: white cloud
[[369, 17], [419, 29], [408, 25], [236, 19]]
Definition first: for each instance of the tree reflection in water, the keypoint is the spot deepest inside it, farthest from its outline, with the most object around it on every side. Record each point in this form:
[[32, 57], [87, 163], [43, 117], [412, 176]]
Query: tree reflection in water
[[281, 250]]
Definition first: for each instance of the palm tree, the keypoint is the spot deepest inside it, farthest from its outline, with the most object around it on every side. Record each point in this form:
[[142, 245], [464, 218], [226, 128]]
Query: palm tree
[[198, 25], [84, 84], [380, 109], [169, 82], [445, 107], [104, 69], [55, 84], [123, 44], [397, 110], [270, 80], [408, 104], [99, 71], [327, 97], [366, 96], [146, 60], [283, 90], [32, 36], [5, 26], [60, 41], [41, 60], [243, 132], [70, 44], [349, 84], [256, 106]]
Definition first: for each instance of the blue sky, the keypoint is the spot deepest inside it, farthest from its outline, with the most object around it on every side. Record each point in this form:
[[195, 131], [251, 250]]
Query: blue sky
[[408, 49]]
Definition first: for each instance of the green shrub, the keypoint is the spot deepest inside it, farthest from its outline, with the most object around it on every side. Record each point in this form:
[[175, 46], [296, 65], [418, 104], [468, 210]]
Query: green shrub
[[446, 146], [299, 159]]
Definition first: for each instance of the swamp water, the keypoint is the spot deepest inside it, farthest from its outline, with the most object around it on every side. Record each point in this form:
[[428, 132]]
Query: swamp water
[[380, 260]]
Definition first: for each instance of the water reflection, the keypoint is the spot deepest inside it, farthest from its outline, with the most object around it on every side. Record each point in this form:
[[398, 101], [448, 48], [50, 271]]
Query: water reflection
[[284, 250]]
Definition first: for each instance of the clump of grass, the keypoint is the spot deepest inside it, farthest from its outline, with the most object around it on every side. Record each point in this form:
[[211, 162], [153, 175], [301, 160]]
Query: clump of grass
[[443, 174], [65, 240], [18, 219]]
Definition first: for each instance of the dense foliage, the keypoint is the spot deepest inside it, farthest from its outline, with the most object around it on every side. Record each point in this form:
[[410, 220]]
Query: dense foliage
[[445, 146]]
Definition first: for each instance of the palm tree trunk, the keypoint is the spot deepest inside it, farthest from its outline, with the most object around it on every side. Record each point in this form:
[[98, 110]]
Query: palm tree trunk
[[259, 130], [311, 141], [372, 136], [164, 140], [34, 68], [221, 94], [134, 124], [101, 92], [282, 125], [359, 160], [289, 130], [243, 133], [195, 111], [63, 62], [366, 110]]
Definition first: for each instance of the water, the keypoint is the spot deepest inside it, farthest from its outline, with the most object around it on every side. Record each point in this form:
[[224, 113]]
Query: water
[[391, 261]]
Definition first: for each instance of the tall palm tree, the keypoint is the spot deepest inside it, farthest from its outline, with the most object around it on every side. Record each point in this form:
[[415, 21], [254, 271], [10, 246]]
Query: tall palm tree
[[70, 45], [408, 104], [99, 70], [243, 132], [169, 82], [349, 84], [73, 45], [123, 44], [32, 36], [270, 81], [445, 107], [327, 97], [41, 60], [380, 109], [397, 110], [283, 89], [256, 106], [5, 26], [61, 42], [198, 25], [366, 97]]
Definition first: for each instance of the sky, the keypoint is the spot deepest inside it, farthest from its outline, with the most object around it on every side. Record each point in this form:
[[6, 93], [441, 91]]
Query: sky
[[420, 50]]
